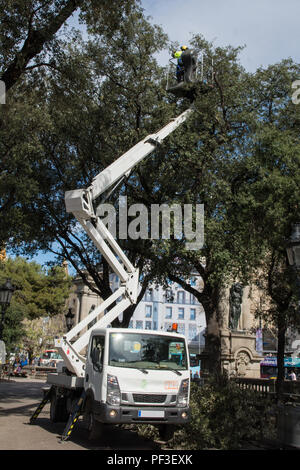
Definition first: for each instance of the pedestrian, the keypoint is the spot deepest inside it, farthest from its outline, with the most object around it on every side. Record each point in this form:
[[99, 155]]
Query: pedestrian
[[292, 375], [17, 367], [23, 362]]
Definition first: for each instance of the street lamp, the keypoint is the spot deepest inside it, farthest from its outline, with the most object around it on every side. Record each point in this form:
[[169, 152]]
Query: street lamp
[[293, 253], [6, 292], [69, 319]]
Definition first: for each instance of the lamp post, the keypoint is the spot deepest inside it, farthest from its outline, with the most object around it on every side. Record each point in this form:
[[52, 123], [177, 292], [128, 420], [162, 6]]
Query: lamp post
[[293, 252], [69, 319], [6, 292], [293, 247], [199, 339]]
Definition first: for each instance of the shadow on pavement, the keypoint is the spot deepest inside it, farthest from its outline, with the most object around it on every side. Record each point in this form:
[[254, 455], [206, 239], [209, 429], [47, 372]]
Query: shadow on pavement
[[114, 437], [21, 398]]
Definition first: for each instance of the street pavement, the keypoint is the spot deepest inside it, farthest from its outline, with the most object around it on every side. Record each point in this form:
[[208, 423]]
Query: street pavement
[[19, 398]]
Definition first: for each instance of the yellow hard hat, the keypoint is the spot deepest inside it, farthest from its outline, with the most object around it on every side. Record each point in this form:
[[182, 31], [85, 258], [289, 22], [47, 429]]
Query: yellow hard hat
[[183, 48]]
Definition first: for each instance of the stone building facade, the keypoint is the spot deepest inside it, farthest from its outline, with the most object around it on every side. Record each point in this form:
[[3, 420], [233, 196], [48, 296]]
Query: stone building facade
[[82, 300]]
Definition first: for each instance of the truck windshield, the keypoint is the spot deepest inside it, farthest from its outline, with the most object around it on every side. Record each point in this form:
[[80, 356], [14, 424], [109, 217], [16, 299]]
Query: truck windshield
[[145, 351]]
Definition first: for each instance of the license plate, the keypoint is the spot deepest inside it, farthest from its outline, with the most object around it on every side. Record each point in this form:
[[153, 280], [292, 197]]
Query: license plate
[[151, 414]]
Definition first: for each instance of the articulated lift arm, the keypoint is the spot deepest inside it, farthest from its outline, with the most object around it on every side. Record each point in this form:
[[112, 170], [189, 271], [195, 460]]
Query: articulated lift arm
[[81, 203]]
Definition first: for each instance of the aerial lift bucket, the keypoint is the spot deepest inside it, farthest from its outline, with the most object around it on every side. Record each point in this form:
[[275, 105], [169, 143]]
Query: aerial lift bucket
[[192, 83]]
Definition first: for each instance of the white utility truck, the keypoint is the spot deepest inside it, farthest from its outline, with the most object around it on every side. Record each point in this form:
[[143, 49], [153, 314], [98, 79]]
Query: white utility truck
[[119, 375]]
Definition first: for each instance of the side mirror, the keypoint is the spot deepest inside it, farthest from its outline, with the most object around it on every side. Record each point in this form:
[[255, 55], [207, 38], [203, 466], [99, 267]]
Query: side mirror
[[96, 359]]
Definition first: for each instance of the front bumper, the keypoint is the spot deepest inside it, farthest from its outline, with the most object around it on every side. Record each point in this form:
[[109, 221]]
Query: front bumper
[[129, 414]]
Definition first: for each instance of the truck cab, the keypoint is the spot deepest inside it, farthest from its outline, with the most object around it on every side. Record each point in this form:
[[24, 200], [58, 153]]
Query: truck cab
[[137, 376]]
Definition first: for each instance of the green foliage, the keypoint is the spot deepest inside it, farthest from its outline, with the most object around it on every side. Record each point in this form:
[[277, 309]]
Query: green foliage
[[223, 417], [29, 30], [38, 294], [70, 120]]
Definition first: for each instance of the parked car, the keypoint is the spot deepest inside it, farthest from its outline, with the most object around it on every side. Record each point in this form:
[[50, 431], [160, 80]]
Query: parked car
[[50, 358]]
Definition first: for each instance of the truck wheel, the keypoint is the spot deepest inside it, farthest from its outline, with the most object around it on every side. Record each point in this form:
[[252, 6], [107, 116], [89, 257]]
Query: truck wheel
[[93, 427], [166, 432], [58, 409]]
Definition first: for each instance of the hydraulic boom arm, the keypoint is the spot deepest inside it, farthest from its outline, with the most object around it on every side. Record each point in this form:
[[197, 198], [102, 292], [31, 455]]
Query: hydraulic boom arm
[[81, 203]]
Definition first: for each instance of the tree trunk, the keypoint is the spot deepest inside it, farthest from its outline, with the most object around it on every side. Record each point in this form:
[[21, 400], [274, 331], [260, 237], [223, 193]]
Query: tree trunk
[[211, 361]]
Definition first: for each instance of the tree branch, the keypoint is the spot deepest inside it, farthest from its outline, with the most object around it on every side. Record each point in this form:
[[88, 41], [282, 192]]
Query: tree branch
[[34, 43]]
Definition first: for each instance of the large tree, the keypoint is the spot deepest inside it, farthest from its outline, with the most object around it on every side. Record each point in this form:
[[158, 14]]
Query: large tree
[[267, 182], [101, 97], [39, 293], [32, 42], [239, 156]]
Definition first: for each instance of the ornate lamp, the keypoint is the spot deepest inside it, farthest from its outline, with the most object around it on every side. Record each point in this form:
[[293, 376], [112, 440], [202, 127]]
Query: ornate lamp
[[6, 292]]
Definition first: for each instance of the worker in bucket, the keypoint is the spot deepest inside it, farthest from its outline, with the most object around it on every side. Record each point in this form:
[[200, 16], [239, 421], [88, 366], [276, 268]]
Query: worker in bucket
[[180, 67]]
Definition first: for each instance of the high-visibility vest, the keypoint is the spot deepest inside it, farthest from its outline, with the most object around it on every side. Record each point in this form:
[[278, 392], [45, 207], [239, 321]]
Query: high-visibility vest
[[177, 54]]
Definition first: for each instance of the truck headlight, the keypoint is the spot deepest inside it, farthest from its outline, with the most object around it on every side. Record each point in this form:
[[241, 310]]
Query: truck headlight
[[113, 390], [183, 394]]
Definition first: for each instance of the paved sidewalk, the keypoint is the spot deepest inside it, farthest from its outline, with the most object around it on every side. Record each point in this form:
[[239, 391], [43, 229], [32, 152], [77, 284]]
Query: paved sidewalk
[[16, 408], [19, 398]]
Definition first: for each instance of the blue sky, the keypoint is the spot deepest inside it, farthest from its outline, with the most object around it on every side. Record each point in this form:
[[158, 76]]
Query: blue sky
[[270, 29]]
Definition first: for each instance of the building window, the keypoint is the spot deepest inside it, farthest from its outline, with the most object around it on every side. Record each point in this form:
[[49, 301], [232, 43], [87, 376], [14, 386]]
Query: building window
[[192, 314], [149, 295], [148, 311], [192, 299], [181, 313], [148, 325], [181, 328], [180, 297], [130, 324], [139, 325], [169, 296], [168, 312], [154, 325], [168, 326]]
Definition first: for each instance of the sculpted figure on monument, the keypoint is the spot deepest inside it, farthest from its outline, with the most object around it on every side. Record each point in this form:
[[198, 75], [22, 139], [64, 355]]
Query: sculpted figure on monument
[[235, 302], [242, 362]]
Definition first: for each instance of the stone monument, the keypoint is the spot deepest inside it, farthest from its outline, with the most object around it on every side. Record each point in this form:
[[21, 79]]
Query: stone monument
[[238, 354]]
